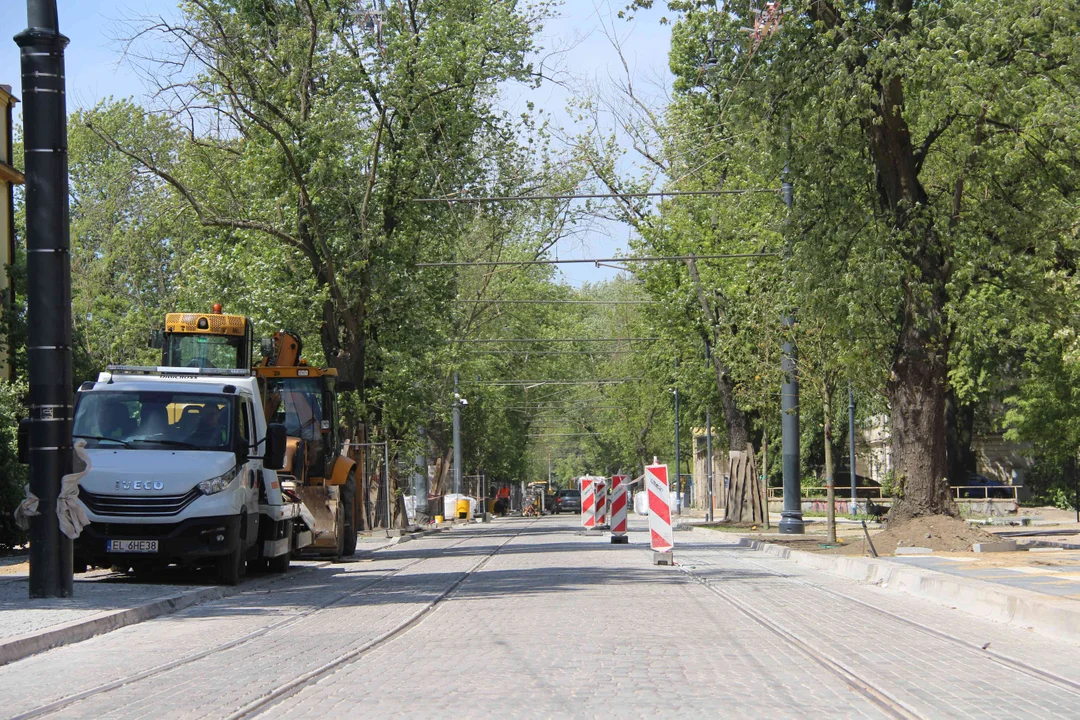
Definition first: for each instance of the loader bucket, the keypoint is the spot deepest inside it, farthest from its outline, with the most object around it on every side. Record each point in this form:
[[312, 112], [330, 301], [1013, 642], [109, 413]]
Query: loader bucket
[[324, 506]]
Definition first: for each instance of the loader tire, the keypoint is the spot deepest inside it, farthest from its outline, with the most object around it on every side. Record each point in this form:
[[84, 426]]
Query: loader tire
[[348, 504], [339, 530]]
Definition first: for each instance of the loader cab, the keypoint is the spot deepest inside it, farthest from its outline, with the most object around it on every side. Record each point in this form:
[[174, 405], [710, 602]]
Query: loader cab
[[302, 398], [205, 340]]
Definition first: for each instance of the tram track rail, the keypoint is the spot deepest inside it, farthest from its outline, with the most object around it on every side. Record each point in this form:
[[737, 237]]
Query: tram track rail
[[985, 652], [889, 705], [297, 685], [892, 706], [283, 624]]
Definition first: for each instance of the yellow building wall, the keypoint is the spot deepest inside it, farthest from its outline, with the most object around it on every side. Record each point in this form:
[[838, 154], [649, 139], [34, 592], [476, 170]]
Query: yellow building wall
[[9, 177]]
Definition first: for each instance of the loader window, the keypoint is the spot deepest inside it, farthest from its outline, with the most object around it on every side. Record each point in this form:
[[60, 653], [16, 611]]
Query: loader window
[[296, 403], [204, 351]]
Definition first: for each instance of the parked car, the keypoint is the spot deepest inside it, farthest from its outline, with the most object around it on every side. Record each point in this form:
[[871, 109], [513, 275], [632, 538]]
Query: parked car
[[568, 500], [978, 486]]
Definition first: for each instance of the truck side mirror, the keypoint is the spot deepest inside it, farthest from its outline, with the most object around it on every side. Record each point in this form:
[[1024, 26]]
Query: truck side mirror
[[266, 347], [276, 439], [22, 442], [157, 339]]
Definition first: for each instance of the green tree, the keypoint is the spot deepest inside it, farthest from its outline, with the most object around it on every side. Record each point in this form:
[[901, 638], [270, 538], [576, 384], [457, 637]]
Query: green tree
[[311, 128], [930, 145]]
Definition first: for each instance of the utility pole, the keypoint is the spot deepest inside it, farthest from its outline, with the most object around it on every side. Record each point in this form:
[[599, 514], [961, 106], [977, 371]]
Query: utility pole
[[678, 454], [457, 437], [791, 522], [708, 460], [48, 271], [851, 448], [386, 472]]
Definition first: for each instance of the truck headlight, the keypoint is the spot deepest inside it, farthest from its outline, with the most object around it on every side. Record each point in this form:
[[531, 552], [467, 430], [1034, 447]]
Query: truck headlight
[[219, 483]]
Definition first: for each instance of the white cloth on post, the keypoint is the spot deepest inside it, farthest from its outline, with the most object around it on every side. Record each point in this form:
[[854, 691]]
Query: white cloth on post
[[26, 509], [69, 513]]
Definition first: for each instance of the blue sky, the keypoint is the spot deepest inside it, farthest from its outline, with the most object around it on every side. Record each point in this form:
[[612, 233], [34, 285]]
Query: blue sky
[[95, 70]]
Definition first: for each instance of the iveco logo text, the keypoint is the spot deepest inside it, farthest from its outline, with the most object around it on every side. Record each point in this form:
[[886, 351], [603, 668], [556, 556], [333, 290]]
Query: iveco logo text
[[139, 485]]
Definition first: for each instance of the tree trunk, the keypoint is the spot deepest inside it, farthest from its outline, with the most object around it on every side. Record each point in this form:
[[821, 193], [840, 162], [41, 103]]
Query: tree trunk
[[738, 429], [916, 391], [765, 477], [918, 382], [742, 501], [830, 491]]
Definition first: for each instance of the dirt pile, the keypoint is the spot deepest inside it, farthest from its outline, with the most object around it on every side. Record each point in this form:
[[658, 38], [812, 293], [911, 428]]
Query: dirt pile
[[937, 532]]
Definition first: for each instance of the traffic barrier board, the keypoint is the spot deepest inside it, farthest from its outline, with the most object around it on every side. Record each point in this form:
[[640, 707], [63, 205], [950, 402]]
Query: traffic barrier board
[[618, 509], [588, 500], [656, 485]]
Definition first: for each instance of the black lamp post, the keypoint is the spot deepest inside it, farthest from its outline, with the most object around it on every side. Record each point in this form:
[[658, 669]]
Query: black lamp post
[[48, 270]]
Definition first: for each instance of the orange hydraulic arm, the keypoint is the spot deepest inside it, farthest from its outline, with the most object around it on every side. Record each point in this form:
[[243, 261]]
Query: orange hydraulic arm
[[287, 348]]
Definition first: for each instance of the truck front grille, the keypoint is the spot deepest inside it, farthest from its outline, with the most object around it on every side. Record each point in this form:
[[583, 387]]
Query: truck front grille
[[137, 505]]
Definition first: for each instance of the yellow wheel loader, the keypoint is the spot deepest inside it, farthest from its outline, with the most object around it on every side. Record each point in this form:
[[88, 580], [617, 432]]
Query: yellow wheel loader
[[294, 394]]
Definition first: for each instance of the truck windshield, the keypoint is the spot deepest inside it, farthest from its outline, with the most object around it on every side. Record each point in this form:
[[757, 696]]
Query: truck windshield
[[204, 351], [147, 420]]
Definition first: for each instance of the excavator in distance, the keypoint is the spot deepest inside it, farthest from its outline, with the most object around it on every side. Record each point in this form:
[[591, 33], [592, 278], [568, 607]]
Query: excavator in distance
[[299, 396]]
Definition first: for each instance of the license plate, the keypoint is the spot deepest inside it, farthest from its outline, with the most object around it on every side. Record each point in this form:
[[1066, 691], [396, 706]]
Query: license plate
[[131, 546]]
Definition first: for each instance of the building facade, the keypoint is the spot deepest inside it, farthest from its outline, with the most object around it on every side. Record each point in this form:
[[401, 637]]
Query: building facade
[[9, 178]]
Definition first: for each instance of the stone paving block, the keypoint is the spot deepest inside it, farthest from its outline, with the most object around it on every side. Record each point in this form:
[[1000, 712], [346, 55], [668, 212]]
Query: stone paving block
[[557, 624], [992, 547]]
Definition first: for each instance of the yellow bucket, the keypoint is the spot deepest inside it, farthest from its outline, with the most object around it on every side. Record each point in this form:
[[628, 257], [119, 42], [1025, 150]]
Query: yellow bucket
[[439, 518], [463, 509]]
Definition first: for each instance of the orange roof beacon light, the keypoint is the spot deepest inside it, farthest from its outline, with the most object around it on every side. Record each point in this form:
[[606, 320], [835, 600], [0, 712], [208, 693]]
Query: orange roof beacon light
[[216, 309]]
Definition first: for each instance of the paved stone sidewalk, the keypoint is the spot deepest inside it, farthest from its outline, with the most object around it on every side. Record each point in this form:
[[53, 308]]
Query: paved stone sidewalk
[[1062, 578], [100, 592]]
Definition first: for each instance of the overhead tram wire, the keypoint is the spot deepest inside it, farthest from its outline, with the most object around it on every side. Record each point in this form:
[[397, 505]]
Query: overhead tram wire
[[539, 340], [546, 352], [596, 196], [646, 258], [545, 383], [559, 302], [563, 435]]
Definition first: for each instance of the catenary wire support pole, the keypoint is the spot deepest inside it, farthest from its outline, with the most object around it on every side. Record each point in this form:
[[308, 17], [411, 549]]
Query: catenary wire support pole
[[791, 521], [386, 479], [678, 454], [48, 273], [457, 437], [851, 448], [708, 462]]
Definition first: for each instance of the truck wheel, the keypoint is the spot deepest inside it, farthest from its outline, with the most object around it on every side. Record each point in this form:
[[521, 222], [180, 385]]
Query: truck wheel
[[280, 563], [348, 502], [230, 567]]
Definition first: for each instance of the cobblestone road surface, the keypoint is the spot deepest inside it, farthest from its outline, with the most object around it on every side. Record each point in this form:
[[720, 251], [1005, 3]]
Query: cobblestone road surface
[[529, 618]]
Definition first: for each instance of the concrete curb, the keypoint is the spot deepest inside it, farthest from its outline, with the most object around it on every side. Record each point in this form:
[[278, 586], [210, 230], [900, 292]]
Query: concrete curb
[[1046, 614], [22, 646]]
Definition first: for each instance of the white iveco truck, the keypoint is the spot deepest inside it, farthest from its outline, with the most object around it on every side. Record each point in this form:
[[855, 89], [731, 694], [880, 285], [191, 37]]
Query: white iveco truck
[[182, 469]]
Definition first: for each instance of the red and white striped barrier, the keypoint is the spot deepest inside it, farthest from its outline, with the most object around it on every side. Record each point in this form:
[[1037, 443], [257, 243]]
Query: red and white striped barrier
[[600, 502], [618, 509], [660, 536], [588, 502]]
